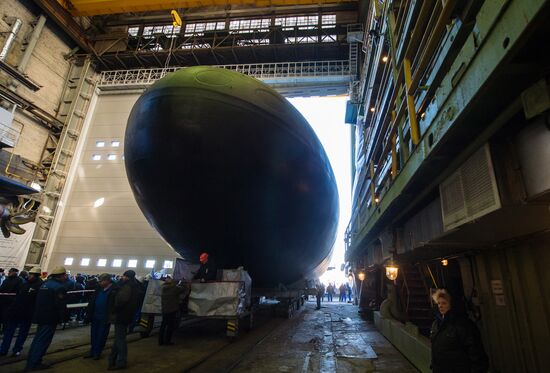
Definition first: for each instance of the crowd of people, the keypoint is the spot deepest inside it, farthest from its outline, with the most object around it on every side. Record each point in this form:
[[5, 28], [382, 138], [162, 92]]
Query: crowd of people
[[344, 293], [32, 297], [27, 298]]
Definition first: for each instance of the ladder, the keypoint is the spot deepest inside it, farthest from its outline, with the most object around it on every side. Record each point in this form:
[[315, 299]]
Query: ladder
[[59, 152]]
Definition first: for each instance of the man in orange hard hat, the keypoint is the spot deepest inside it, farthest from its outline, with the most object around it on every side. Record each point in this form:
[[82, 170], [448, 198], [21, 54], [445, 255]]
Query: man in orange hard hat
[[207, 271]]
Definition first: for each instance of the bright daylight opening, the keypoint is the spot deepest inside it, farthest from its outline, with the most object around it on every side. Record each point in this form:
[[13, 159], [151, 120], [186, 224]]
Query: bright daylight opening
[[326, 117]]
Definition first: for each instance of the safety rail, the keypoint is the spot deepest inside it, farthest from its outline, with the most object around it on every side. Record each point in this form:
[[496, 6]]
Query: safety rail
[[401, 47], [306, 69]]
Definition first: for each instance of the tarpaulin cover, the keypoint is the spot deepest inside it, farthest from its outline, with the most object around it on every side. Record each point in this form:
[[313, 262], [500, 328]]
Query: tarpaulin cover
[[152, 300], [217, 298], [239, 275]]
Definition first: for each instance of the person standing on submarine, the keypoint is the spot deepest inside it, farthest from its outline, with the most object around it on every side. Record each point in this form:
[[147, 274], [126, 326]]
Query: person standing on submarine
[[207, 271]]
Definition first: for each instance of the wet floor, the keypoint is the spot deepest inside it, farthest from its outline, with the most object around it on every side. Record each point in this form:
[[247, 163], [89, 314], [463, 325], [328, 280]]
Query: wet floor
[[332, 339]]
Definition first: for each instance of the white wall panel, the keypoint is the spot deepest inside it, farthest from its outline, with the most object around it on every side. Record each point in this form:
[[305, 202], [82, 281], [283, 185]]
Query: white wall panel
[[117, 229]]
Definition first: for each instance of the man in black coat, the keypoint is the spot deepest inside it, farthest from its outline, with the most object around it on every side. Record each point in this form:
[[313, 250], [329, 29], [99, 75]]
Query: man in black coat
[[456, 343], [50, 310], [10, 285], [121, 313], [20, 313]]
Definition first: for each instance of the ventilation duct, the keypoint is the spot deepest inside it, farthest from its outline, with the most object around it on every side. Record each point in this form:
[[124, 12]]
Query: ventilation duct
[[470, 192]]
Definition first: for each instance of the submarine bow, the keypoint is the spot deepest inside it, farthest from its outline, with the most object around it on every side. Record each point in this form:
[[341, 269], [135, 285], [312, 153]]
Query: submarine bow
[[221, 163]]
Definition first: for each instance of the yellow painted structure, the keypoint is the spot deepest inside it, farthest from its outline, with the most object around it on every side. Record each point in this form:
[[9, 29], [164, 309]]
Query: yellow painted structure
[[97, 7]]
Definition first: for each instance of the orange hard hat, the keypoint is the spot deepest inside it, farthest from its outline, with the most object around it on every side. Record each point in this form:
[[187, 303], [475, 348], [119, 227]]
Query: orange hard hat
[[203, 257]]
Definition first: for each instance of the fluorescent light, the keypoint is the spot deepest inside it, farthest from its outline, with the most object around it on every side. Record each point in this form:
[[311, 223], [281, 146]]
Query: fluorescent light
[[111, 157], [150, 264], [46, 209], [98, 202], [96, 157], [84, 262], [117, 262], [36, 186], [115, 144], [100, 144], [168, 264], [132, 263], [68, 261], [102, 262]]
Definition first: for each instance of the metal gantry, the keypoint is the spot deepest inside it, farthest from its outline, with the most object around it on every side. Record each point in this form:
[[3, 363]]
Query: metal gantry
[[274, 73]]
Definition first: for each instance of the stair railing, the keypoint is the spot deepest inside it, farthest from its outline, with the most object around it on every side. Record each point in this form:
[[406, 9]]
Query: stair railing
[[404, 291]]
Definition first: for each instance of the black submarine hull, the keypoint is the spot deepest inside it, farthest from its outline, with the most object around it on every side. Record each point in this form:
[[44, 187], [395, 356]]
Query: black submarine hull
[[219, 162]]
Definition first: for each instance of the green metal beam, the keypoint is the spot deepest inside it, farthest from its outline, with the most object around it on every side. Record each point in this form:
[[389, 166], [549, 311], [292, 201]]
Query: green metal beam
[[500, 30]]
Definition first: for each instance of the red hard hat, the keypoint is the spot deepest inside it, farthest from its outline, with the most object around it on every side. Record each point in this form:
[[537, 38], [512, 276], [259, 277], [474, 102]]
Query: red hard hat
[[203, 257]]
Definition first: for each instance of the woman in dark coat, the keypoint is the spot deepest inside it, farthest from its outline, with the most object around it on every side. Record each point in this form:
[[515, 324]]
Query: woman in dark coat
[[456, 343]]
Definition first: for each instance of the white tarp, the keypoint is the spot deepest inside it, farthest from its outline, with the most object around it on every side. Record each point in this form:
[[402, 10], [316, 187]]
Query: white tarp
[[239, 275], [13, 250], [152, 300], [227, 298]]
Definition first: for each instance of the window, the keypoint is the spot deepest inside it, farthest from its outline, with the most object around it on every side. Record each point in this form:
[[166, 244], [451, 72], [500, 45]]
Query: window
[[149, 263], [84, 262], [96, 157], [117, 262], [68, 261], [328, 20], [132, 263], [168, 264], [100, 144], [111, 157], [115, 143], [133, 31], [102, 262]]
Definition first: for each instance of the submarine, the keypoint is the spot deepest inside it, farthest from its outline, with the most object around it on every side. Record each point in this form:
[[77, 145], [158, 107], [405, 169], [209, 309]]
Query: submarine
[[219, 162]]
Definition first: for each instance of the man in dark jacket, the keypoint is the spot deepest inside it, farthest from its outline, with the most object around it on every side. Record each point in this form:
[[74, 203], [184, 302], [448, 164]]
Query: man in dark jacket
[[50, 310], [171, 297], [121, 313], [10, 285], [20, 313], [456, 343], [98, 314], [207, 271]]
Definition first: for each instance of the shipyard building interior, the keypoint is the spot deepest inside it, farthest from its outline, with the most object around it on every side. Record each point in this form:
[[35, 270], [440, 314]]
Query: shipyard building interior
[[146, 143]]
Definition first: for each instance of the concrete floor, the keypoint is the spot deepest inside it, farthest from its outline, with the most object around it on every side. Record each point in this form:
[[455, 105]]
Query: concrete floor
[[333, 339]]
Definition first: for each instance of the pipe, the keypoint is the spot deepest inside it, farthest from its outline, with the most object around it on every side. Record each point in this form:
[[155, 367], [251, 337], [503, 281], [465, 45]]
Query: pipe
[[32, 43], [11, 38]]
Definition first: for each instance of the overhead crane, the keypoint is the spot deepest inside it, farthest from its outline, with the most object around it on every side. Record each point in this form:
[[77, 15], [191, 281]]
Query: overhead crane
[[102, 7]]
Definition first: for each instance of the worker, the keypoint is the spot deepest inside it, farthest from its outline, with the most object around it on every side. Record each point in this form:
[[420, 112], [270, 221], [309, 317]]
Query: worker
[[121, 313], [171, 298], [20, 313], [319, 295], [50, 310], [9, 289], [207, 271], [98, 314]]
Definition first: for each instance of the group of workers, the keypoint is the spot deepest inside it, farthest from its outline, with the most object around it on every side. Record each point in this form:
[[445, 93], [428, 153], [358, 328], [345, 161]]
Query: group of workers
[[115, 300]]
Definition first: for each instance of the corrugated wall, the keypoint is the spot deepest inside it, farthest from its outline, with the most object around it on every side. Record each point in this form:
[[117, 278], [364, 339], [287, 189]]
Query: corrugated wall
[[516, 317]]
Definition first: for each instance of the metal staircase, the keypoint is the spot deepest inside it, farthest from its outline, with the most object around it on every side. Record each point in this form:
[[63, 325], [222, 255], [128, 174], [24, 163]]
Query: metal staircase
[[59, 151], [415, 297]]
